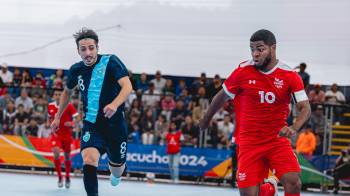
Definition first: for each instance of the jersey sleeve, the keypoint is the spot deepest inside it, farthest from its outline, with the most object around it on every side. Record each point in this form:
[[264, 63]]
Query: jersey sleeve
[[118, 68], [231, 84], [72, 79], [297, 88], [50, 111]]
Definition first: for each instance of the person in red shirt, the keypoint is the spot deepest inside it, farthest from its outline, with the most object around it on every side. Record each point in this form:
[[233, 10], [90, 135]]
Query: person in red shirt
[[62, 138], [174, 138], [262, 89]]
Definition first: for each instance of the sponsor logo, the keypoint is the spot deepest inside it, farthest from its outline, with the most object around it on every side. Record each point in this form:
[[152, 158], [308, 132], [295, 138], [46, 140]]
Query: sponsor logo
[[86, 136], [242, 176]]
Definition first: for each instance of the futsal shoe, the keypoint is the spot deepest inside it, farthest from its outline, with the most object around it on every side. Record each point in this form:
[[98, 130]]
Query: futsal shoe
[[60, 183], [115, 181], [67, 183], [274, 181]]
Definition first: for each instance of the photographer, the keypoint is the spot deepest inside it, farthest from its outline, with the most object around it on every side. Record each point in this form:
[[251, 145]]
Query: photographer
[[342, 168]]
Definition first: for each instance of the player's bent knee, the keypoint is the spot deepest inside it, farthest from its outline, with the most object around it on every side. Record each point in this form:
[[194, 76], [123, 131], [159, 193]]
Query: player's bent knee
[[293, 185], [90, 156]]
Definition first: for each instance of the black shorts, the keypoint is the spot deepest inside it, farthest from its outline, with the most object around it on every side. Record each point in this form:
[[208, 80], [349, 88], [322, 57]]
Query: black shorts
[[110, 138]]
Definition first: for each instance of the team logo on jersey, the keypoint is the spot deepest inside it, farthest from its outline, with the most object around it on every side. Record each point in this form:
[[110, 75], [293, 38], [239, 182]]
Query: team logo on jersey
[[242, 176], [86, 136], [278, 83]]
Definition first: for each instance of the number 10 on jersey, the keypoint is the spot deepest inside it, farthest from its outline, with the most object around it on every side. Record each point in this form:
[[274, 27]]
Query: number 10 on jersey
[[268, 97]]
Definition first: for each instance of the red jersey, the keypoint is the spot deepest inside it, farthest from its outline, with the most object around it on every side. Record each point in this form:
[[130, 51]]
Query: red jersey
[[68, 114], [173, 140], [261, 100]]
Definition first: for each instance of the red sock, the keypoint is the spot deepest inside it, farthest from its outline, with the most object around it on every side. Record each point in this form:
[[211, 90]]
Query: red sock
[[58, 167], [291, 194], [67, 166], [267, 189]]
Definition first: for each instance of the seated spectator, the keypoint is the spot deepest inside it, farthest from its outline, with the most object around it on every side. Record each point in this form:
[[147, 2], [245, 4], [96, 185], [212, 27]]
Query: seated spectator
[[151, 97], [135, 109], [134, 135], [6, 75], [336, 97], [214, 87], [168, 105], [26, 79], [17, 80], [169, 87], [132, 96], [21, 120], [5, 99], [158, 81], [306, 143], [147, 125], [186, 98], [202, 98], [190, 132], [39, 84], [44, 130], [32, 128], [160, 129], [57, 80], [202, 81], [179, 113], [25, 100], [317, 120], [225, 129], [219, 115], [9, 118], [213, 132], [342, 168], [142, 83], [317, 95], [180, 87], [197, 111], [40, 110]]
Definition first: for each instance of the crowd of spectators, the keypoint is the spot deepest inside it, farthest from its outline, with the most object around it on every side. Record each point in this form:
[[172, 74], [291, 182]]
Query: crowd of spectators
[[155, 102]]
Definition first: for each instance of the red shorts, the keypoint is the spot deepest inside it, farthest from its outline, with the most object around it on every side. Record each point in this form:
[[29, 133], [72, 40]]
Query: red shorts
[[61, 142], [254, 162]]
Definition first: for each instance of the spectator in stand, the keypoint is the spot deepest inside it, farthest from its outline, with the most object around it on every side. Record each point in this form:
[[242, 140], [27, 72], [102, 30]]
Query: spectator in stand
[[26, 79], [180, 87], [21, 120], [40, 110], [336, 97], [213, 132], [306, 143], [25, 100], [44, 130], [5, 99], [214, 87], [17, 80], [202, 98], [6, 75], [202, 81], [168, 105], [317, 95], [151, 97], [225, 129], [134, 129], [39, 84], [147, 124], [342, 168], [174, 139], [135, 109], [32, 128], [9, 118], [186, 98], [160, 128], [179, 113], [142, 83], [304, 75], [220, 115], [169, 87], [317, 121], [197, 111], [57, 80], [190, 132], [159, 82]]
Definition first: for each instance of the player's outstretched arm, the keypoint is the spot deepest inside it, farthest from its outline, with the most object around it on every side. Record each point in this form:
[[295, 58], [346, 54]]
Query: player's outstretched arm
[[219, 101], [126, 89], [64, 100]]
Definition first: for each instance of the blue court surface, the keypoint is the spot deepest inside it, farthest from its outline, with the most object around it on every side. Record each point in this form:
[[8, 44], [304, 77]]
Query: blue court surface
[[15, 184]]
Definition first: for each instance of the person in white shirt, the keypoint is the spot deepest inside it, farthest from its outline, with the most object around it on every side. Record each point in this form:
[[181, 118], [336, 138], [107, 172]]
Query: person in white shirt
[[5, 74], [25, 100], [336, 97], [225, 128], [159, 82], [44, 130]]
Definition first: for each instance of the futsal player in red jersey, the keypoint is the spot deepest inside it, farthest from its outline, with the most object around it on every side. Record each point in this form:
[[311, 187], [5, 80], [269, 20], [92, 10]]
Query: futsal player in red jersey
[[262, 89], [62, 138]]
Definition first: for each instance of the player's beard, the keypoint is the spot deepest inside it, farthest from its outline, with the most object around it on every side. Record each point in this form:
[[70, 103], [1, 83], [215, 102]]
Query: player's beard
[[263, 65], [90, 60]]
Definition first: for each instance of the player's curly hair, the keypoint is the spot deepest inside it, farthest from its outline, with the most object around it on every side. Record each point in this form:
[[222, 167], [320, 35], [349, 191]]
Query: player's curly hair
[[84, 33], [264, 35]]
